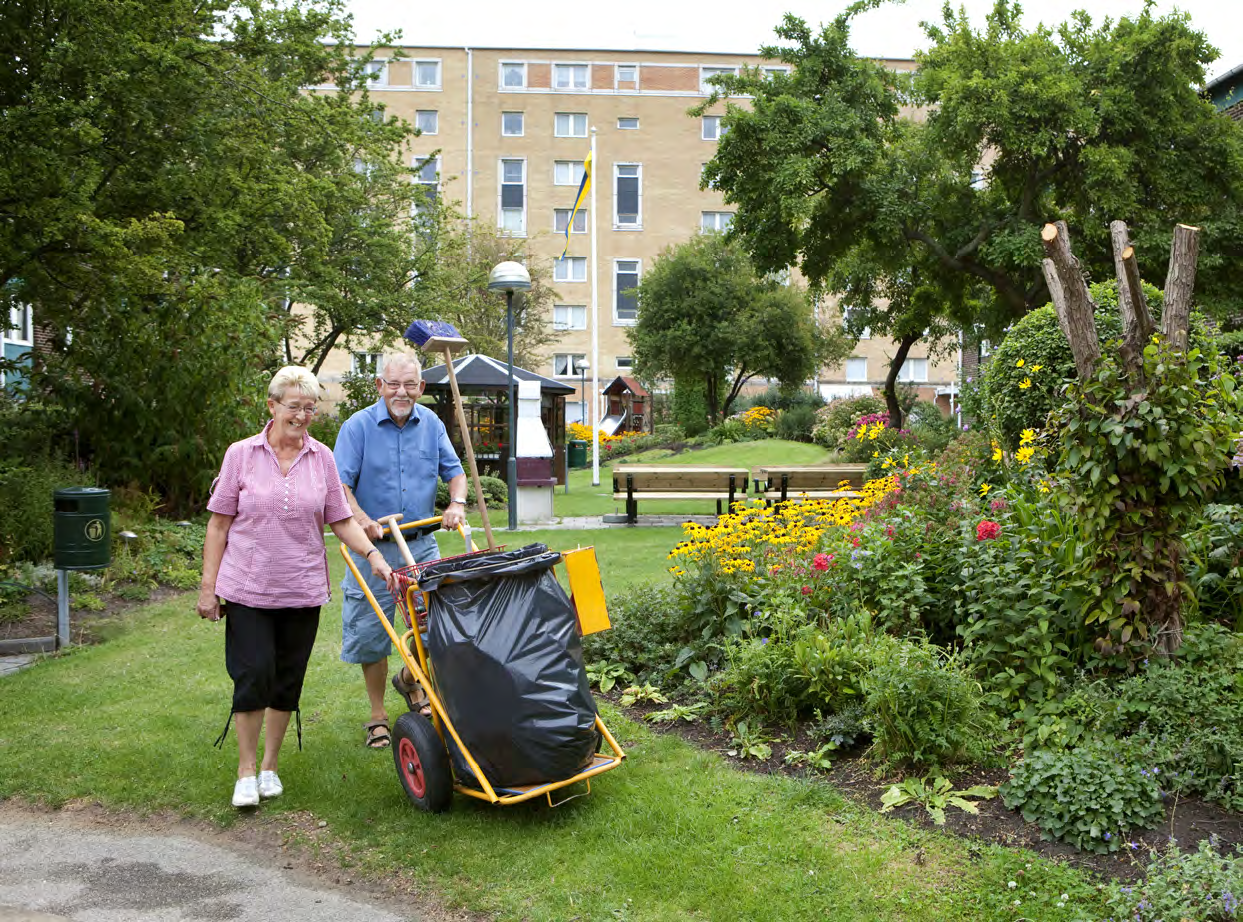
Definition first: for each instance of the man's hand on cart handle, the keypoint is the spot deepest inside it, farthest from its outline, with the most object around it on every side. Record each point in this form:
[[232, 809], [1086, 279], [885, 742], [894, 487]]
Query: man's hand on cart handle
[[371, 528], [453, 516], [208, 605]]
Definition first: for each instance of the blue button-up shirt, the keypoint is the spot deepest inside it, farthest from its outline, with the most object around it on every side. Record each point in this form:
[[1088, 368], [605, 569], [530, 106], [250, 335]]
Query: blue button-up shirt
[[393, 468]]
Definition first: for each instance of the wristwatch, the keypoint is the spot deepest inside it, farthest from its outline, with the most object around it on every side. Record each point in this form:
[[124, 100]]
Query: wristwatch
[[460, 502]]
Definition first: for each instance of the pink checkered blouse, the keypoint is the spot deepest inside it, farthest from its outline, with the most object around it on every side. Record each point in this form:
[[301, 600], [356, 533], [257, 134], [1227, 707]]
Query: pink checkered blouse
[[275, 556]]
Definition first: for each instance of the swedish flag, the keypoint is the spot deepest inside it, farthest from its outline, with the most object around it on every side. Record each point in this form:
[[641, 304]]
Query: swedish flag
[[579, 201]]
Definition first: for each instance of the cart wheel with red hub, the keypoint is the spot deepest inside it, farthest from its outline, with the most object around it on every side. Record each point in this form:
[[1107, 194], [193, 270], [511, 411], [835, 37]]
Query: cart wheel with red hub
[[422, 763]]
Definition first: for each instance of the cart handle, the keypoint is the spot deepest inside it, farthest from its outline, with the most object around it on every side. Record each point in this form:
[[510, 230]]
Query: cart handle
[[424, 527]]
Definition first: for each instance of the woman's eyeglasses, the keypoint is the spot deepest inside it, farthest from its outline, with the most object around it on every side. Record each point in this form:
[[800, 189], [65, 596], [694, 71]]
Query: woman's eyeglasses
[[309, 410]]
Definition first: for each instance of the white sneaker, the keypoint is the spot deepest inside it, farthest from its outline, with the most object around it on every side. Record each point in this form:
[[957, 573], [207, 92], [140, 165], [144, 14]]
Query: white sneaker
[[270, 785], [246, 792]]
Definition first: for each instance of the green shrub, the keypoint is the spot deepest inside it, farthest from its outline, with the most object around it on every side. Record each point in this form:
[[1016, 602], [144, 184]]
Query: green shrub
[[795, 423], [649, 633], [325, 427], [760, 680], [1215, 565], [667, 433], [495, 493], [925, 708], [1091, 796], [1204, 885], [26, 506], [689, 406], [838, 417], [933, 429]]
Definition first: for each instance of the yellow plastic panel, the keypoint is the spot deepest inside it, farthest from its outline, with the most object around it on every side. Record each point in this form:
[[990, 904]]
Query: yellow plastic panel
[[586, 590]]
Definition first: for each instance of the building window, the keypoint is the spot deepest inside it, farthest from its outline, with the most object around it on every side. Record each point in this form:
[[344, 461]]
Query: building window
[[566, 364], [986, 348], [715, 221], [561, 217], [567, 172], [625, 298], [427, 74], [570, 124], [513, 198], [856, 370], [625, 362], [628, 124], [365, 363], [627, 73], [570, 269], [771, 72], [703, 168], [21, 326], [512, 124], [569, 76], [376, 72], [427, 177], [427, 121], [513, 75], [864, 333], [707, 73], [627, 195], [713, 130], [914, 370], [569, 317]]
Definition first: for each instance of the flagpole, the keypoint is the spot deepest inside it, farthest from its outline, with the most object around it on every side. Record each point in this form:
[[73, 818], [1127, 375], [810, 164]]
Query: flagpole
[[595, 324]]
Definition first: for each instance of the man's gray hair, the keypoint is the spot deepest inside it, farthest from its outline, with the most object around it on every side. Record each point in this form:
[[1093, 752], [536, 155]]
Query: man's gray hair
[[394, 358]]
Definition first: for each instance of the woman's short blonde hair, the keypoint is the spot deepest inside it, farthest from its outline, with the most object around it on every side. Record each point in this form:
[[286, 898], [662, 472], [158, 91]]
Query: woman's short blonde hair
[[296, 377]]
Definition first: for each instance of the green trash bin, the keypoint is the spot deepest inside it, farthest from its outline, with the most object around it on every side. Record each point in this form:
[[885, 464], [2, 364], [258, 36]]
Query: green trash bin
[[576, 453], [81, 528]]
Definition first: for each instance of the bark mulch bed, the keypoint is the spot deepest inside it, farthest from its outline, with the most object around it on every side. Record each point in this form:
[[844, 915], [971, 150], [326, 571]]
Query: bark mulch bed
[[1187, 820]]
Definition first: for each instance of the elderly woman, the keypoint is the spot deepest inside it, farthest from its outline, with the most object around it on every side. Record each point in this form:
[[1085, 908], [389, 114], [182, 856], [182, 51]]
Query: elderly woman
[[265, 570]]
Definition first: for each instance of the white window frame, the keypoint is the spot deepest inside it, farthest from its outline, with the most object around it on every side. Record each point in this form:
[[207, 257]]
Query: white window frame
[[986, 348], [706, 71], [561, 217], [500, 184], [377, 66], [434, 113], [638, 223], [571, 87], [522, 66], [865, 333], [576, 172], [570, 120], [569, 316], [638, 273], [716, 217], [623, 362], [907, 373], [372, 360], [21, 321], [617, 78], [627, 118], [857, 378], [414, 74], [769, 70], [418, 179], [574, 359], [718, 130], [522, 125], [564, 271]]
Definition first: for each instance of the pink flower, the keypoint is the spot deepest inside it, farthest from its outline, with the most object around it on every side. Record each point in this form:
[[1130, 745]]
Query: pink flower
[[987, 530], [997, 504], [806, 590], [820, 561]]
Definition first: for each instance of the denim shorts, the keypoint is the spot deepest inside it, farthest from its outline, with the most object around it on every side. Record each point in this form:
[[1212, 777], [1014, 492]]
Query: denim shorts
[[363, 638]]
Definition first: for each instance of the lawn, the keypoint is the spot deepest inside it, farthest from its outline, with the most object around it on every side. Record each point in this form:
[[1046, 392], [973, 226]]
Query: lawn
[[676, 833]]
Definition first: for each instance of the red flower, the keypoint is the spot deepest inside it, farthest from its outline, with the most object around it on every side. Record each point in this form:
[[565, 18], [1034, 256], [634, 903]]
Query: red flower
[[820, 561], [855, 541], [806, 590], [987, 530]]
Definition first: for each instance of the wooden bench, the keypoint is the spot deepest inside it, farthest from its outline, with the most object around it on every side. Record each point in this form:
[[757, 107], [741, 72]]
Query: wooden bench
[[778, 484], [635, 482]]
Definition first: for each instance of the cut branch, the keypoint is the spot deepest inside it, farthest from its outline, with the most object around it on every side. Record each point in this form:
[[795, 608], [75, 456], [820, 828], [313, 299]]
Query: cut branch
[[1057, 294], [1077, 313], [1179, 284], [1137, 325]]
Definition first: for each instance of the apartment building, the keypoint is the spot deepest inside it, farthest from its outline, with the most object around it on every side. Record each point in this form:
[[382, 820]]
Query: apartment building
[[513, 127]]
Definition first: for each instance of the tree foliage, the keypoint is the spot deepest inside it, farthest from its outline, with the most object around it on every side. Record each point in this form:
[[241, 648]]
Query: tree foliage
[[706, 316]]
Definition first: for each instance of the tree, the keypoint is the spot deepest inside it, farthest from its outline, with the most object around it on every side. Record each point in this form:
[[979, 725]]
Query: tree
[[704, 315]]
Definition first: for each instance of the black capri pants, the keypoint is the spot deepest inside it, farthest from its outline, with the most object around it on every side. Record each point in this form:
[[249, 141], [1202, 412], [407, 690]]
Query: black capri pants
[[266, 651]]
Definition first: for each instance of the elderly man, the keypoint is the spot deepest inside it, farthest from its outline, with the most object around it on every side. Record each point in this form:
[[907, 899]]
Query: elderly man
[[389, 456]]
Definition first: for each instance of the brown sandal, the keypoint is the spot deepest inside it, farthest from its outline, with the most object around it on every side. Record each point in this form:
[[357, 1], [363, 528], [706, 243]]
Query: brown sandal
[[416, 699], [378, 736]]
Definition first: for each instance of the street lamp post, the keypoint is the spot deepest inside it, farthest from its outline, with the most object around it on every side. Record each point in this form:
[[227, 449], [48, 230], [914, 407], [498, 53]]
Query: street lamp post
[[583, 365], [510, 277]]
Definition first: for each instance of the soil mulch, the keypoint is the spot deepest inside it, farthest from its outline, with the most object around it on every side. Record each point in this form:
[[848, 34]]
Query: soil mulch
[[1188, 820], [84, 626]]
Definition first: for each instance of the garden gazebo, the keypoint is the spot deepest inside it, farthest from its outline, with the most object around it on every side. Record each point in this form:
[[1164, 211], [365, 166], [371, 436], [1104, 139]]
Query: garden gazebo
[[484, 384]]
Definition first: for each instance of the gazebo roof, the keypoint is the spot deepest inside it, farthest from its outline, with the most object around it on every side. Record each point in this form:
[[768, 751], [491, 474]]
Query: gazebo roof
[[481, 374]]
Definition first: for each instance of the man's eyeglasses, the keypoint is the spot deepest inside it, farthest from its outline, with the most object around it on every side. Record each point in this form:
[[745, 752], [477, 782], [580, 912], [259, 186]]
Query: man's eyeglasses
[[409, 386], [309, 410]]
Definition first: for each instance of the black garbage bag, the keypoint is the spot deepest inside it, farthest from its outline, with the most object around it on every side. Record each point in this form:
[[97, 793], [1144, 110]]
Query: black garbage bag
[[508, 662]]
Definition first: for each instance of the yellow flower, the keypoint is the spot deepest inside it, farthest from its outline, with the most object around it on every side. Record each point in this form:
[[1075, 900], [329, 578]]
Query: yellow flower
[[1027, 435], [996, 451], [876, 454], [1018, 364], [1025, 454], [984, 489], [1036, 368], [1025, 384], [1043, 486]]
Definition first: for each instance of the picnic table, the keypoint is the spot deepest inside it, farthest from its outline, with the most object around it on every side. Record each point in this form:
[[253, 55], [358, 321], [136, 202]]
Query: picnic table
[[778, 483], [642, 482]]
